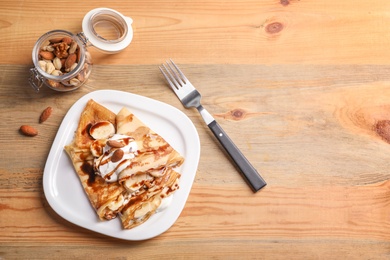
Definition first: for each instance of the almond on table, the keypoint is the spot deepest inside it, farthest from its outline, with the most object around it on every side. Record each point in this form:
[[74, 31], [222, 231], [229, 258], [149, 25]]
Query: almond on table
[[45, 114], [28, 130]]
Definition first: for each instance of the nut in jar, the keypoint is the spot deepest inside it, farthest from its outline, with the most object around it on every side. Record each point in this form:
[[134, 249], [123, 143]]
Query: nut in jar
[[61, 59]]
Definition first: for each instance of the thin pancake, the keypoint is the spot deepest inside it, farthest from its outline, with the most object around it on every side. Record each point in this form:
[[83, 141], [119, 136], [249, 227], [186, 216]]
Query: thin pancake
[[150, 174], [141, 208], [92, 114], [154, 153], [104, 197], [142, 185]]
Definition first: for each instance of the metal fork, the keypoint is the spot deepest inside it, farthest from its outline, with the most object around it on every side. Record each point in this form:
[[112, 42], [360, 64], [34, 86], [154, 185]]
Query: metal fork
[[190, 97]]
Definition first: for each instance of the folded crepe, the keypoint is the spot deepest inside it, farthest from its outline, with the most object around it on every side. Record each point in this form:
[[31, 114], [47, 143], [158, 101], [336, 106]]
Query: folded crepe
[[147, 179], [154, 154], [141, 208], [150, 174], [105, 197]]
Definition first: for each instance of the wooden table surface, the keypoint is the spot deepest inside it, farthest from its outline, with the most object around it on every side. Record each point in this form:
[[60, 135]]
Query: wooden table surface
[[302, 87]]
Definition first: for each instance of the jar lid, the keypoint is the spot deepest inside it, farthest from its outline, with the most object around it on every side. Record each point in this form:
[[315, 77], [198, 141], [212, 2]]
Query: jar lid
[[107, 29]]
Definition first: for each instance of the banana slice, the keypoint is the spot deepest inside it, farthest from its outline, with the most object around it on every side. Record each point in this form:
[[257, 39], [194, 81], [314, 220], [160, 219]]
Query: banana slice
[[102, 130]]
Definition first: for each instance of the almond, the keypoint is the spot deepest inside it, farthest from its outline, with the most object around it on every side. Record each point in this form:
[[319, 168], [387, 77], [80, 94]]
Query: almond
[[45, 114], [115, 144], [70, 60], [46, 55], [67, 40], [28, 130], [53, 83], [117, 155]]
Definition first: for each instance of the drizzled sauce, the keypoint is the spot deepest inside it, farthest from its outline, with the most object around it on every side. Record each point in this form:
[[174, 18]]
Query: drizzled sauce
[[104, 165], [88, 169], [86, 129]]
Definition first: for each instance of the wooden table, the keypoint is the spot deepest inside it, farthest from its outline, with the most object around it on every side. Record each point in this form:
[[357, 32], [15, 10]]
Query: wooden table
[[302, 87]]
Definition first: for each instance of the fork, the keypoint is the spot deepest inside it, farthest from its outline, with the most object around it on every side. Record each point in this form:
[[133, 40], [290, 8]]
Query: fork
[[190, 97]]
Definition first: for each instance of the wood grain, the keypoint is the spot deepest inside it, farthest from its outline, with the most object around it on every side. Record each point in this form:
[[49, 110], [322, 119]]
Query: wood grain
[[233, 32], [302, 87], [310, 132]]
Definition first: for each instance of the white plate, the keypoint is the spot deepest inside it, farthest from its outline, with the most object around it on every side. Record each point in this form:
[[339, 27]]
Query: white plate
[[62, 186]]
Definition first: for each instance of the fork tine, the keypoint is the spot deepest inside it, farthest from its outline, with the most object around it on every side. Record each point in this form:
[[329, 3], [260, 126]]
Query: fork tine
[[173, 76], [182, 76], [178, 75], [168, 76]]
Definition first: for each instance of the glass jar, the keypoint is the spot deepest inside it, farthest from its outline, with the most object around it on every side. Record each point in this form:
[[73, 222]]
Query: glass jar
[[61, 59]]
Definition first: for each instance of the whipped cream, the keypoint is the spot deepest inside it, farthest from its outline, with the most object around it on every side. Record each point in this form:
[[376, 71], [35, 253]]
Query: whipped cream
[[165, 203], [103, 153]]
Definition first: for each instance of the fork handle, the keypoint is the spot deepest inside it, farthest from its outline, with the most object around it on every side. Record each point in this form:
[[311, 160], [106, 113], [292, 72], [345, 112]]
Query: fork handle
[[249, 173]]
